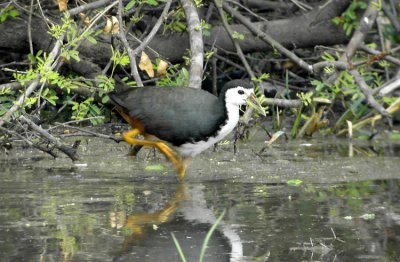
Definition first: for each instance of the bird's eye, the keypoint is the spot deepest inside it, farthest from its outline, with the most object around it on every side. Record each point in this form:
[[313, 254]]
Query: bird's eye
[[240, 92]]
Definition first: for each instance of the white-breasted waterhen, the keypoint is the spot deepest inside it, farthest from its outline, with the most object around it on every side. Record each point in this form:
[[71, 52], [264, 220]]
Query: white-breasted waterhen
[[189, 119]]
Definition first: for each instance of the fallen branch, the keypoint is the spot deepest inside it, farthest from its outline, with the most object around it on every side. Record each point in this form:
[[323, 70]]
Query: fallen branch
[[92, 133], [378, 55], [29, 142], [69, 151], [368, 93], [389, 88]]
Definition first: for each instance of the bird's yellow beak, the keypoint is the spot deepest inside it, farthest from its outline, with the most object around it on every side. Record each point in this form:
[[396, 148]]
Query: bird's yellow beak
[[255, 104]]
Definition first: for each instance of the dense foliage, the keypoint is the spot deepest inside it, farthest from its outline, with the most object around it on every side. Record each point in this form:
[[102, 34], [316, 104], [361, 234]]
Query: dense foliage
[[70, 55]]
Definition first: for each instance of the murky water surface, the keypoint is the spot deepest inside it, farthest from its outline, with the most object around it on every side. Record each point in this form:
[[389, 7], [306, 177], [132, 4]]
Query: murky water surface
[[110, 207]]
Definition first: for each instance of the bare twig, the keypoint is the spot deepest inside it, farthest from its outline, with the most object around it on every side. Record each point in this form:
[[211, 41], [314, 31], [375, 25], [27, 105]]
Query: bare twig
[[12, 86], [29, 142], [301, 5], [366, 23], [196, 43], [30, 28], [69, 151], [293, 103], [131, 54], [246, 117], [239, 51], [155, 29], [317, 67], [390, 87], [92, 5], [248, 10], [92, 133], [268, 39], [368, 92], [378, 55], [392, 17]]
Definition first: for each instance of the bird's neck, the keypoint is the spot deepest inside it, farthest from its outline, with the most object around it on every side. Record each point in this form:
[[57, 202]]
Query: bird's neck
[[231, 115]]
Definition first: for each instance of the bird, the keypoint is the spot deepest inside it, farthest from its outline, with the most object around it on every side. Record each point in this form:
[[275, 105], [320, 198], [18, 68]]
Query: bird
[[190, 120]]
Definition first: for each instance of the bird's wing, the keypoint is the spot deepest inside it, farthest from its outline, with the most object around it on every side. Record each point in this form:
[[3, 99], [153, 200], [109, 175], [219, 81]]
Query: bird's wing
[[176, 115]]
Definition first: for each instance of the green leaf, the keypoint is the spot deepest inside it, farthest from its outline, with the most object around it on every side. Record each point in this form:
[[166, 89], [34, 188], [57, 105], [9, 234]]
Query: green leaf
[[130, 5], [74, 55], [154, 168], [105, 99], [91, 39], [152, 2], [294, 182], [237, 35], [178, 247], [13, 13]]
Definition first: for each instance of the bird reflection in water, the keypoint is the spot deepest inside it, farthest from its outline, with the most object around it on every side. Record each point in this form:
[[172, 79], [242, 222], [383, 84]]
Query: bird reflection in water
[[186, 215]]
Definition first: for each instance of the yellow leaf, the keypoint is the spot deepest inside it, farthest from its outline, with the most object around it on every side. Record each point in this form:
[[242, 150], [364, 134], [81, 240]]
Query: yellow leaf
[[112, 26], [146, 65], [62, 5], [107, 28], [85, 19], [162, 68], [115, 25]]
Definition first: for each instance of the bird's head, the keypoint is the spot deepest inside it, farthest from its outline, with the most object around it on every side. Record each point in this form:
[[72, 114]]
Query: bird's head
[[241, 92]]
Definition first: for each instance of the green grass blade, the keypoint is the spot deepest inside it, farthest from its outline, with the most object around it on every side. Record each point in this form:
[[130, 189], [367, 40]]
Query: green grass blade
[[208, 236], [178, 247]]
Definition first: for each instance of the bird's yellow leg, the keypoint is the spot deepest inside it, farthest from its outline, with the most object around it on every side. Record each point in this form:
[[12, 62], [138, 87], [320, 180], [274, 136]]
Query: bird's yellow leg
[[129, 137], [170, 155], [183, 167]]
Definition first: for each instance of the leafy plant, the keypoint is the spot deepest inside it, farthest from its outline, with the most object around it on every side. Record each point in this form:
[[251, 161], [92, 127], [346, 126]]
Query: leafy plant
[[85, 109], [118, 58], [306, 98], [174, 77], [348, 20], [237, 35], [259, 92], [105, 85], [177, 23], [132, 3], [44, 67], [7, 12], [205, 28]]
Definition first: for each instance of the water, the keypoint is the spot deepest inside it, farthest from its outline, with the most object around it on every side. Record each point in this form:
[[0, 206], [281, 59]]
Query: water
[[107, 207]]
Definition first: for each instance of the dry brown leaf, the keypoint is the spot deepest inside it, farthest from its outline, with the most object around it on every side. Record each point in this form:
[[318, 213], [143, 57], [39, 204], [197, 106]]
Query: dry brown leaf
[[62, 5], [162, 68], [112, 26], [146, 65], [107, 28], [85, 19], [115, 25]]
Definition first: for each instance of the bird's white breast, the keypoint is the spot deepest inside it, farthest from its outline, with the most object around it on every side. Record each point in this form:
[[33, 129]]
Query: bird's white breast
[[192, 149]]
